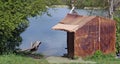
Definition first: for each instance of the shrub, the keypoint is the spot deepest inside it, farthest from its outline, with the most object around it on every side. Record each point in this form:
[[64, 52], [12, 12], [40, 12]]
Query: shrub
[[117, 34], [99, 55]]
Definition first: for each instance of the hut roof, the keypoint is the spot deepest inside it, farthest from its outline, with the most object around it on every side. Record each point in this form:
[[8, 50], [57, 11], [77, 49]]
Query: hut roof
[[72, 22]]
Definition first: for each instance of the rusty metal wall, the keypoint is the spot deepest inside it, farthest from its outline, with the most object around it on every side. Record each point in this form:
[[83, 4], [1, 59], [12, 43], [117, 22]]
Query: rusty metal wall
[[107, 36], [86, 39], [95, 35]]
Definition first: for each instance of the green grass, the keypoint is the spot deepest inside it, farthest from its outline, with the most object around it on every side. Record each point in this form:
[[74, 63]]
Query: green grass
[[18, 59], [100, 58], [107, 60], [24, 58]]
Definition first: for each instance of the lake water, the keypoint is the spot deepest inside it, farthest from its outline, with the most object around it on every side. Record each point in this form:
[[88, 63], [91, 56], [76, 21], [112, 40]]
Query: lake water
[[53, 42]]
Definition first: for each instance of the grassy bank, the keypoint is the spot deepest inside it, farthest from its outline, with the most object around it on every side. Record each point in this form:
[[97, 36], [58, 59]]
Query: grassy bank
[[100, 58], [105, 60], [18, 59]]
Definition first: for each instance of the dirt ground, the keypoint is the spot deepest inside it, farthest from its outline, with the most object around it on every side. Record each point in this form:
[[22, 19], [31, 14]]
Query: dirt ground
[[63, 60]]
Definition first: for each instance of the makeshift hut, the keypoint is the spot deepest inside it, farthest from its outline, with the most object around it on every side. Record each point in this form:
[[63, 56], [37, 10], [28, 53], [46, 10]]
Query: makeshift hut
[[87, 34]]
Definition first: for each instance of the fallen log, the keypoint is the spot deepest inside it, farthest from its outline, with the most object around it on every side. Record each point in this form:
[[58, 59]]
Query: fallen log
[[34, 47]]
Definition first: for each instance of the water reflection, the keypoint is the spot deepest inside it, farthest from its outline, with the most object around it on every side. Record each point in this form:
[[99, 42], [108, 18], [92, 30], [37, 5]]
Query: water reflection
[[53, 42]]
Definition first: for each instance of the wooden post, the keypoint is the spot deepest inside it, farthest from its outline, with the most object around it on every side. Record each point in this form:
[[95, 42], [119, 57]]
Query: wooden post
[[111, 12]]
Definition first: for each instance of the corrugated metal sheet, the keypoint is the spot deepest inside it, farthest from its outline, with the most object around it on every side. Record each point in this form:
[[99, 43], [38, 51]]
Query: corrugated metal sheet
[[98, 34], [87, 34], [107, 36], [67, 27], [87, 39], [72, 22]]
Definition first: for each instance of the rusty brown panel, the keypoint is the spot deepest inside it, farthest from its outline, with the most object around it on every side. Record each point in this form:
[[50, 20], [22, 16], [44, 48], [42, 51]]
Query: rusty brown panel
[[70, 18], [70, 44], [107, 36], [73, 19], [86, 39]]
